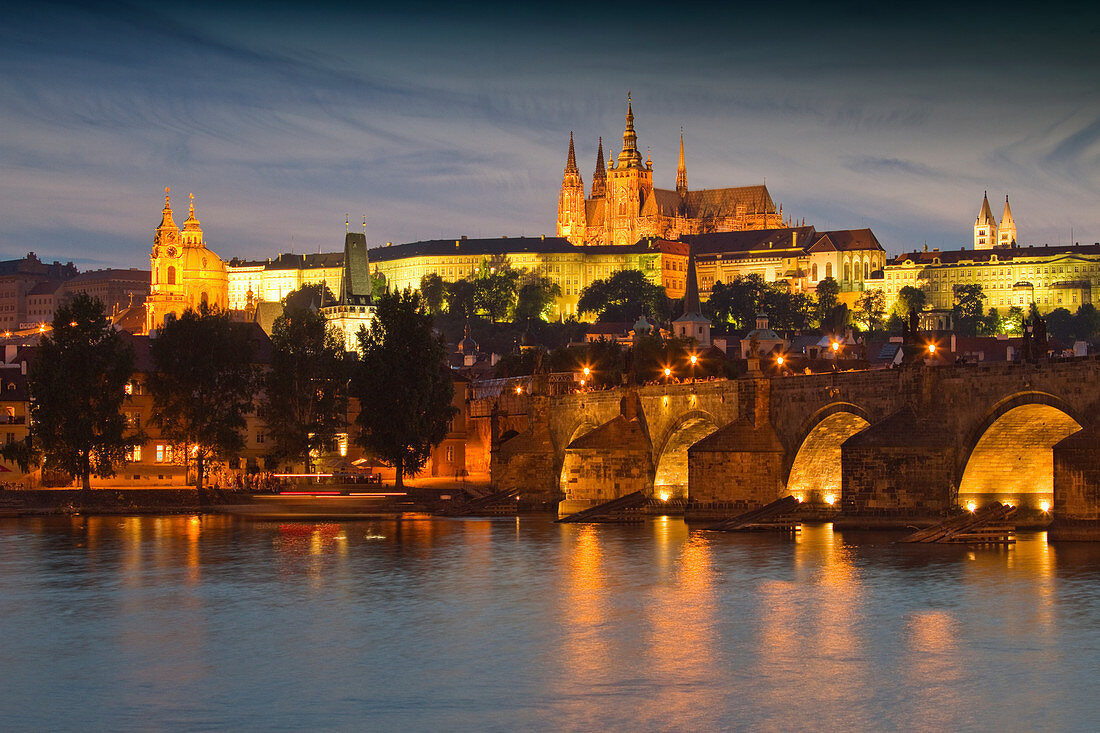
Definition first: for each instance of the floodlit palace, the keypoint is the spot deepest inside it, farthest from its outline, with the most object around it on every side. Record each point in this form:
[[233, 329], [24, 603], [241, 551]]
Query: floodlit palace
[[1010, 274]]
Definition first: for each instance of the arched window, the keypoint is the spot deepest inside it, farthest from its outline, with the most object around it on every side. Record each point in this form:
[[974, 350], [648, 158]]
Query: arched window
[[171, 276], [204, 300], [828, 269], [813, 272], [866, 270], [847, 272]]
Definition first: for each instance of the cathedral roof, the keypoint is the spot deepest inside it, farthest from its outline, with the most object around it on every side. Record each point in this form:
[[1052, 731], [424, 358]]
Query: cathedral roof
[[752, 240], [715, 202], [846, 240]]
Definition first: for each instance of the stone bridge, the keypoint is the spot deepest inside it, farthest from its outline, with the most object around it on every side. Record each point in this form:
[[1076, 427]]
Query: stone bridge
[[920, 440]]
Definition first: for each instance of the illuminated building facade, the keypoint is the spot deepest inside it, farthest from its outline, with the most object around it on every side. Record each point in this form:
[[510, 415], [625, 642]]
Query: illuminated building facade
[[1050, 277], [570, 266], [269, 281], [800, 256], [184, 272], [623, 206]]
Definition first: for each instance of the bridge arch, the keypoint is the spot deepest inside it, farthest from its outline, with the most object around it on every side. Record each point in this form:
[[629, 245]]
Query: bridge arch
[[1009, 455], [670, 452], [814, 473], [581, 427]]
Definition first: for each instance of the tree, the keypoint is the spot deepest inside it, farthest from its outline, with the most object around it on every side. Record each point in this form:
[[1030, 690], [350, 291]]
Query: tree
[[433, 290], [736, 303], [310, 294], [787, 311], [460, 298], [78, 383], [1013, 322], [910, 299], [967, 310], [403, 385], [1086, 322], [623, 297], [828, 291], [991, 325], [202, 386], [305, 400], [378, 284], [870, 309], [535, 297], [495, 288], [1060, 325]]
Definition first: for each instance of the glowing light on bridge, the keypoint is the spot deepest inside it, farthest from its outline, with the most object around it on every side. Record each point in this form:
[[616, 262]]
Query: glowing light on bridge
[[830, 499], [664, 496], [1045, 506], [971, 507]]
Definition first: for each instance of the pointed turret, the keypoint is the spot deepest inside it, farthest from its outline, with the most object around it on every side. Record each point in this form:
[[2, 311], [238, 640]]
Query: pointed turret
[[599, 177], [1006, 232], [681, 170], [692, 324], [167, 232], [985, 226], [192, 229], [630, 157], [571, 216]]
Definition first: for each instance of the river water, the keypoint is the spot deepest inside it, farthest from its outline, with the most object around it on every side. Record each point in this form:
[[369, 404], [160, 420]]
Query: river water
[[212, 623]]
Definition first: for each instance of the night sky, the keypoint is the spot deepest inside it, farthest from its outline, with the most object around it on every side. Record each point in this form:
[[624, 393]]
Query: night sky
[[448, 119]]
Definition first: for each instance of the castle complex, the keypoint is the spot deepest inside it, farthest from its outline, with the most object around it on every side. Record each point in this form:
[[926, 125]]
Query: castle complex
[[624, 207]]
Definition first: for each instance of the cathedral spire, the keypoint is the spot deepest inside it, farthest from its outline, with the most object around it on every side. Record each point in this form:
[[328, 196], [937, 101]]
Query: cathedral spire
[[681, 169], [985, 215], [571, 161], [167, 231], [599, 177], [1006, 233], [630, 157]]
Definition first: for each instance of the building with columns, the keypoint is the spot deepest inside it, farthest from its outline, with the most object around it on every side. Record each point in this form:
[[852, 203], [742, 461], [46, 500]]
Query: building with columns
[[623, 206]]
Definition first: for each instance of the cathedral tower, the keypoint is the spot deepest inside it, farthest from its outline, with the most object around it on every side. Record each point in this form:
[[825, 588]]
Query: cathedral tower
[[571, 214], [985, 226], [1006, 233], [629, 182]]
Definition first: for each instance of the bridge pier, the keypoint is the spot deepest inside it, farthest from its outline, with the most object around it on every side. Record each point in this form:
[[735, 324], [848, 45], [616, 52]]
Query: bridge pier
[[900, 466], [611, 461], [1077, 487]]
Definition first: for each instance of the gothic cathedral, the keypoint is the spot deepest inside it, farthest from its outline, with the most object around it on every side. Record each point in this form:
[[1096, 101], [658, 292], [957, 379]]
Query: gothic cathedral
[[624, 207]]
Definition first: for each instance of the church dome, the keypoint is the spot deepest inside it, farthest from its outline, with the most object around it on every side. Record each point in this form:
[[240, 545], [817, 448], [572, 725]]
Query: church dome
[[467, 346]]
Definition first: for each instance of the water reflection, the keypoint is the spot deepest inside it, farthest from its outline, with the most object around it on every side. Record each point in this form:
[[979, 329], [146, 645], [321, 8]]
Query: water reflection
[[518, 623]]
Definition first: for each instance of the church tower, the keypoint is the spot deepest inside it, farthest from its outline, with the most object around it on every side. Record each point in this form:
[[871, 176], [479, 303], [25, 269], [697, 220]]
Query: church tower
[[571, 214], [1006, 233], [184, 274], [629, 183], [985, 227]]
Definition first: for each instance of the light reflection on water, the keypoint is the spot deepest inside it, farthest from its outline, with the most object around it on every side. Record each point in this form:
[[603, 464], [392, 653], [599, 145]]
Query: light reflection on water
[[214, 623]]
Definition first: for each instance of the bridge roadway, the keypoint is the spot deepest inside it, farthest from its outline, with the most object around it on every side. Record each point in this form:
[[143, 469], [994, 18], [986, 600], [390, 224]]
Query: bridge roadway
[[895, 443]]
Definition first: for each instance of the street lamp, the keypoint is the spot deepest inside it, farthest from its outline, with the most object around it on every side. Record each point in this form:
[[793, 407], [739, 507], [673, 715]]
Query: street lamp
[[694, 361], [932, 349], [668, 373]]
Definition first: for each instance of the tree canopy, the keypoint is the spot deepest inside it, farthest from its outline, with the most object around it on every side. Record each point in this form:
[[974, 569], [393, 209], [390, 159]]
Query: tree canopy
[[202, 387], [623, 297], [910, 299], [870, 310], [305, 395], [78, 382], [828, 294], [968, 308], [310, 294], [535, 297], [433, 290], [495, 288], [403, 384]]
